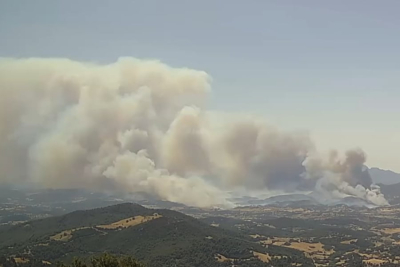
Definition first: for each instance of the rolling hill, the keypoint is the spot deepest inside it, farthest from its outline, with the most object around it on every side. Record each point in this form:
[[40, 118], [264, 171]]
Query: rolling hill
[[386, 177], [157, 237]]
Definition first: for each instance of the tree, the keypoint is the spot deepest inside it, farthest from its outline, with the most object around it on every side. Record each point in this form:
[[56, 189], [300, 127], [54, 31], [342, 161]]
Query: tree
[[105, 260]]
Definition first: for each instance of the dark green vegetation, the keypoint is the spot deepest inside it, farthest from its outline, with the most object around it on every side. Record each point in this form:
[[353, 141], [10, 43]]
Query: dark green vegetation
[[104, 260], [18, 205], [344, 241], [174, 239], [391, 192], [311, 235]]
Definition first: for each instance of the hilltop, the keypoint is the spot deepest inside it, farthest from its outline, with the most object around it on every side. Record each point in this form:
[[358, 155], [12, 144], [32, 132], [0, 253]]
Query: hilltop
[[157, 237]]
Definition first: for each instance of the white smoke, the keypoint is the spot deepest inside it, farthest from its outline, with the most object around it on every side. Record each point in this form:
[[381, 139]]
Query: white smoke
[[140, 126], [346, 176], [333, 188]]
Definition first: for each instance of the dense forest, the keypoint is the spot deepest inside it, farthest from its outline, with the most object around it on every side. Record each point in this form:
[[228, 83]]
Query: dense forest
[[104, 260]]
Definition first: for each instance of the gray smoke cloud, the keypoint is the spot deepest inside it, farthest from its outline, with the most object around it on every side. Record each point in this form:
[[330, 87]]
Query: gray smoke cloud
[[141, 126], [344, 176]]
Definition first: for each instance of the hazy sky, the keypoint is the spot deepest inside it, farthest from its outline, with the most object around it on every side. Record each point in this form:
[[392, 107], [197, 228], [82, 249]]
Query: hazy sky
[[329, 67]]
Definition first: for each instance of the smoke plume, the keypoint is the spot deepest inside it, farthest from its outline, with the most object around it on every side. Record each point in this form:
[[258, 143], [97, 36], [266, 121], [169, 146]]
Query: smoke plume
[[140, 126]]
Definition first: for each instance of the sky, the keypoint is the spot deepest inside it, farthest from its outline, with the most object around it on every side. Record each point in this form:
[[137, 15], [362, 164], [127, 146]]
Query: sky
[[331, 68]]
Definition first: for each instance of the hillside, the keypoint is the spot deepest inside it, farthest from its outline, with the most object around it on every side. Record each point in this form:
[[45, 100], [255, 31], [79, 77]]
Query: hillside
[[391, 192], [386, 177], [155, 237]]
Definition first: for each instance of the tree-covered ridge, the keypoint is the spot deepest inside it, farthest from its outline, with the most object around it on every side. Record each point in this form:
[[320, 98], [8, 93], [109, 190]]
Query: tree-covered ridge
[[171, 239], [103, 260]]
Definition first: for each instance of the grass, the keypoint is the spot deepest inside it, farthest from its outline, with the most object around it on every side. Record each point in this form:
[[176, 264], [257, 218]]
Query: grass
[[348, 242], [374, 261], [222, 258], [129, 222], [310, 247], [390, 231], [21, 260], [66, 235], [262, 257]]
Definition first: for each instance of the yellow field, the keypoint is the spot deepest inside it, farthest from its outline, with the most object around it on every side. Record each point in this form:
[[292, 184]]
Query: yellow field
[[302, 246], [374, 261], [390, 231], [348, 242], [66, 235], [341, 262], [262, 257], [21, 260], [125, 223], [222, 258], [311, 250], [129, 222], [310, 247], [276, 241]]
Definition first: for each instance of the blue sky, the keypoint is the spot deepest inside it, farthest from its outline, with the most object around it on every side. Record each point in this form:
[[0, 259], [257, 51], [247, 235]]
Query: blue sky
[[329, 67]]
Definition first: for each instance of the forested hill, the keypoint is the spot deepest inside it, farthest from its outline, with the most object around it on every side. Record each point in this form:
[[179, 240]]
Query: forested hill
[[155, 237]]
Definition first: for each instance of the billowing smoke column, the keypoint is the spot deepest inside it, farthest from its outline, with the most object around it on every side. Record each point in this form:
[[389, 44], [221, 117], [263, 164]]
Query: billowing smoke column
[[343, 177], [140, 126]]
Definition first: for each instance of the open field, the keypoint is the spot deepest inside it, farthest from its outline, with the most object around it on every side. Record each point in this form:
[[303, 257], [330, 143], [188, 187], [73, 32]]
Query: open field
[[21, 260], [262, 257], [66, 235], [129, 222]]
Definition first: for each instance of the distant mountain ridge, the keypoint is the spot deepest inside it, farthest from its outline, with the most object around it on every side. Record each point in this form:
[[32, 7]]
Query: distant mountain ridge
[[389, 182], [310, 199], [386, 177], [282, 198]]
